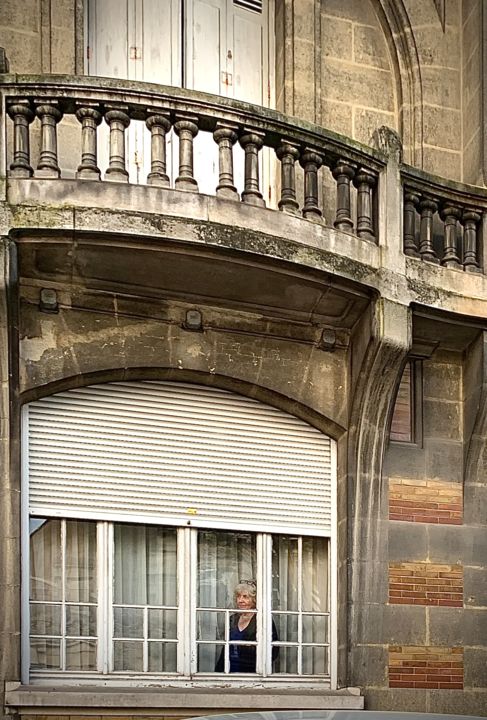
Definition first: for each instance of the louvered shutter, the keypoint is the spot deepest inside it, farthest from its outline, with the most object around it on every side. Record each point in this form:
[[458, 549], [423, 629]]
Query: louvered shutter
[[176, 453]]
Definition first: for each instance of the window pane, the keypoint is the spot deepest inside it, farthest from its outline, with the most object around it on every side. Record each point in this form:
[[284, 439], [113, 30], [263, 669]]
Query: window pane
[[80, 620], [224, 558], [315, 574], [80, 561], [287, 627], [402, 418], [80, 654], [163, 624], [128, 622], [45, 654], [315, 628], [315, 661], [45, 619], [45, 559], [210, 625], [284, 573], [128, 656], [145, 563], [287, 660], [210, 658], [162, 657]]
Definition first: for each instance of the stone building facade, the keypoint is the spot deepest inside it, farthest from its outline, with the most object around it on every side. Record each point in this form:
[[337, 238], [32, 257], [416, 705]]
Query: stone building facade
[[335, 287]]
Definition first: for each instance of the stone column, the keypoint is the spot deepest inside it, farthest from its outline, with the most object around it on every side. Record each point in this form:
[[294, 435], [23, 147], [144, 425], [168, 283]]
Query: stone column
[[90, 118], [22, 116], [343, 172], [470, 220], [252, 141], [288, 153], [311, 162], [450, 216], [427, 208], [225, 136], [159, 125], [117, 120], [186, 129], [411, 200], [364, 181], [49, 114]]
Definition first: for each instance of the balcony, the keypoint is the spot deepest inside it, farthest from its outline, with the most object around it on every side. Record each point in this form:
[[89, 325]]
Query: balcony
[[343, 209]]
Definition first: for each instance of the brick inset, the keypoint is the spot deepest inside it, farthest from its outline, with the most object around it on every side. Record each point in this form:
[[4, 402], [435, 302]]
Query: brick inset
[[430, 501], [425, 584], [439, 668]]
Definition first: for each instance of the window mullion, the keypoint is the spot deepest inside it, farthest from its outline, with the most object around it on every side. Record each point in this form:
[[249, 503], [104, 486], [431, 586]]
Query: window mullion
[[300, 605], [263, 605], [109, 580], [63, 595], [191, 561]]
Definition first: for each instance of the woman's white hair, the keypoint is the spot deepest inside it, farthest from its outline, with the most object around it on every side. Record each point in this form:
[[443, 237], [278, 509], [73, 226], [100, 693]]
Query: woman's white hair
[[246, 586]]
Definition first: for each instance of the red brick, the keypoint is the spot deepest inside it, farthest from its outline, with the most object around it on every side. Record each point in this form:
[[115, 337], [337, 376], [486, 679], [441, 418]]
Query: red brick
[[450, 686]]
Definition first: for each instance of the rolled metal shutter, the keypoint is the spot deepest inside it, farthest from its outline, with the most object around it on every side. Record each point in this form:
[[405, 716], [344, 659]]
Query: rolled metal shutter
[[176, 453]]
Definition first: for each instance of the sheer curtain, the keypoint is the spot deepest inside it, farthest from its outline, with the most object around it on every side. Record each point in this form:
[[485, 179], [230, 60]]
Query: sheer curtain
[[54, 543], [145, 599], [300, 603], [224, 559]]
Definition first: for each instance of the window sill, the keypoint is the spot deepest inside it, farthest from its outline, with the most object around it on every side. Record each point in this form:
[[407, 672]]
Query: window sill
[[183, 699]]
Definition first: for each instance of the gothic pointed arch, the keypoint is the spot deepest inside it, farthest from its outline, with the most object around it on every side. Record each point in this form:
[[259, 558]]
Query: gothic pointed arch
[[399, 34]]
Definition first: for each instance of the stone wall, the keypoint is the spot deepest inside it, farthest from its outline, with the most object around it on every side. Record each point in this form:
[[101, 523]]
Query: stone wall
[[472, 91]]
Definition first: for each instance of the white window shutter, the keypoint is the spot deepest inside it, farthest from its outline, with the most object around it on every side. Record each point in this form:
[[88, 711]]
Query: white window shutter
[[174, 453]]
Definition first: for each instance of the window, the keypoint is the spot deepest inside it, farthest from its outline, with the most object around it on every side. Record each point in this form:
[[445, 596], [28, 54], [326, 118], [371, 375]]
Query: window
[[148, 504], [406, 425], [141, 617]]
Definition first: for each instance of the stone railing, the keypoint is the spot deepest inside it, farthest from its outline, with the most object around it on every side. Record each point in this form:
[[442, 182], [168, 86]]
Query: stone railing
[[312, 164], [443, 221]]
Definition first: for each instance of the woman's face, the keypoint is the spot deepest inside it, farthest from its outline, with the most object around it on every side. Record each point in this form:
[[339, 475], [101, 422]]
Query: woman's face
[[245, 601]]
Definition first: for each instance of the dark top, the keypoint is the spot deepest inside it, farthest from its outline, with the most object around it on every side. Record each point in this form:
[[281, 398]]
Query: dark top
[[242, 657]]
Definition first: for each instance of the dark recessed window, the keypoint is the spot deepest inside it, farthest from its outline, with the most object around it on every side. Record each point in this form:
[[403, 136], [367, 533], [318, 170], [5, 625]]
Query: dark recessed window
[[406, 418]]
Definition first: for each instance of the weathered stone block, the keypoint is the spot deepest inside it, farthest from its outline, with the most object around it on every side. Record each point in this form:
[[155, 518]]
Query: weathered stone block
[[475, 662], [475, 505], [444, 460], [475, 584], [336, 38], [445, 543], [369, 47], [441, 86], [452, 626], [437, 48], [370, 662], [367, 86], [400, 700], [442, 419], [366, 122], [20, 16], [407, 541], [442, 129]]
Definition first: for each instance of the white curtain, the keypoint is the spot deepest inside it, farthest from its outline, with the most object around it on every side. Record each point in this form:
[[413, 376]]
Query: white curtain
[[80, 594], [224, 560], [145, 567]]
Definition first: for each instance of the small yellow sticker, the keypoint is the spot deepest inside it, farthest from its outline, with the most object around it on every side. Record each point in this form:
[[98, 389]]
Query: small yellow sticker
[[192, 511]]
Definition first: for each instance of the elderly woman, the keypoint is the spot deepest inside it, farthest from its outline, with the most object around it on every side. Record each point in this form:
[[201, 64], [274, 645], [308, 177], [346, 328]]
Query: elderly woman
[[243, 627]]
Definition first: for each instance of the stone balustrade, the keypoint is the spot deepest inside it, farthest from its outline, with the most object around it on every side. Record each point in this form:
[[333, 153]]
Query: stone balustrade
[[313, 163], [443, 221], [318, 173]]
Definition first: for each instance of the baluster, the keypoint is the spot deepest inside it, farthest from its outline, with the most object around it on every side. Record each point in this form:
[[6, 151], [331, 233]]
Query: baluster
[[470, 219], [343, 172], [186, 129], [252, 141], [427, 207], [117, 120], [288, 153], [225, 136], [159, 125], [450, 216], [311, 162], [411, 200], [89, 117], [364, 181], [50, 115], [22, 116]]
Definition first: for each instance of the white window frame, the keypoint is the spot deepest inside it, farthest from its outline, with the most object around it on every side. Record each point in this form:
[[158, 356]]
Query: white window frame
[[187, 642]]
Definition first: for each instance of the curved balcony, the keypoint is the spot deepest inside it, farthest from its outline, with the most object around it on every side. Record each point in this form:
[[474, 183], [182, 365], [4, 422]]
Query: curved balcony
[[344, 208]]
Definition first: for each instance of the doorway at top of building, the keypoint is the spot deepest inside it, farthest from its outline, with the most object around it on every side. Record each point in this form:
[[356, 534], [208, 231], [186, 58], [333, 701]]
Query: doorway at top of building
[[202, 45]]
